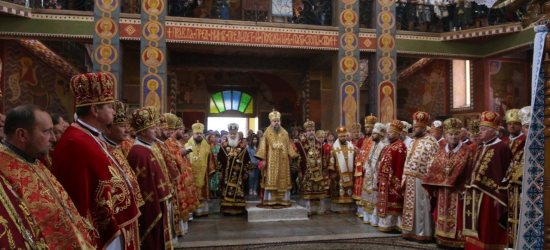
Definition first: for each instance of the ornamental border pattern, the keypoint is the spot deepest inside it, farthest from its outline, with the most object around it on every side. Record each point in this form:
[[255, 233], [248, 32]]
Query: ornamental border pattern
[[106, 41]]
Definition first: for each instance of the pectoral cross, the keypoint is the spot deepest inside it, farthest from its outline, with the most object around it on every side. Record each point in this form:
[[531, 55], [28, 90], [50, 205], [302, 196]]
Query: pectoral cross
[[141, 172], [162, 185], [149, 197], [447, 172]]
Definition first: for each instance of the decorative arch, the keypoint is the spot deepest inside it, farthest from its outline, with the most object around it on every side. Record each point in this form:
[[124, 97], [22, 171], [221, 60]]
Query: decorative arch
[[231, 100]]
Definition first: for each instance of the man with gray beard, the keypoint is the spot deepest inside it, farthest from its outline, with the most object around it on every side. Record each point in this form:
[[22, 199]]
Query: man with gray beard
[[234, 163], [311, 171]]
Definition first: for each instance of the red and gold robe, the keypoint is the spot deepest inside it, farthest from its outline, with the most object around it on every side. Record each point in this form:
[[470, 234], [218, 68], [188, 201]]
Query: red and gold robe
[[442, 142], [483, 219], [131, 236], [55, 213], [417, 222], [362, 157], [234, 162], [326, 152], [392, 162], [154, 225], [126, 145], [444, 182], [203, 165], [173, 173], [514, 178], [18, 228], [97, 184], [312, 167], [358, 143], [187, 193]]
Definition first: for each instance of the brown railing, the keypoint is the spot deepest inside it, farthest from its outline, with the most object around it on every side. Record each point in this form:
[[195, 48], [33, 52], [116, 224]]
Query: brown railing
[[411, 15]]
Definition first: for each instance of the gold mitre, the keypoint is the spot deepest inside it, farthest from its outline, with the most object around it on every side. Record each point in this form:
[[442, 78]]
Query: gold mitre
[[179, 123], [320, 133], [475, 127], [512, 116], [171, 120], [525, 115], [198, 127], [162, 119], [370, 121], [121, 112], [155, 113], [274, 115], [142, 119], [309, 125], [452, 125], [233, 127], [355, 127]]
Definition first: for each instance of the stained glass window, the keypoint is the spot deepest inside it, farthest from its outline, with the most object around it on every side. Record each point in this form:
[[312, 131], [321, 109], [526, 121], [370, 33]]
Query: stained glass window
[[231, 100]]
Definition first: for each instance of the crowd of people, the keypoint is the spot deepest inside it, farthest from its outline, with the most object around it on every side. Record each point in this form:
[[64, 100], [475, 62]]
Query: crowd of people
[[114, 180]]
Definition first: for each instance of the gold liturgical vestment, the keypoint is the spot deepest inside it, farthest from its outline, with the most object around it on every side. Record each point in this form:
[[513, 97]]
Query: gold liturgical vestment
[[276, 149]]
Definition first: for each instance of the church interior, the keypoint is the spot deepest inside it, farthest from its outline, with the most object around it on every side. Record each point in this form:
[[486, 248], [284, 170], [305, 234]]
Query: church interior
[[332, 62]]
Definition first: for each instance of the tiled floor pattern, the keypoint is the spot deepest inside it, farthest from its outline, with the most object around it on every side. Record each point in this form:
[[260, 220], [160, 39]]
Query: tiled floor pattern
[[220, 230]]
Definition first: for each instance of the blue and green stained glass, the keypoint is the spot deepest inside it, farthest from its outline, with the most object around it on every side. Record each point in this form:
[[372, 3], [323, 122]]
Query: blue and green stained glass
[[231, 100]]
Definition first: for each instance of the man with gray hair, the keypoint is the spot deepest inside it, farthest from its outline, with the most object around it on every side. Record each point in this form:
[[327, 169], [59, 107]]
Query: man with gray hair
[[234, 165], [485, 204]]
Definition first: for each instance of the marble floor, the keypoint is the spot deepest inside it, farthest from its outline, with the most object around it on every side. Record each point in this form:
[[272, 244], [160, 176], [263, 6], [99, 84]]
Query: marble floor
[[219, 230]]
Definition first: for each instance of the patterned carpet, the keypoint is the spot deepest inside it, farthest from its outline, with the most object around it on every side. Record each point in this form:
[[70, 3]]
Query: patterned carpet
[[375, 243]]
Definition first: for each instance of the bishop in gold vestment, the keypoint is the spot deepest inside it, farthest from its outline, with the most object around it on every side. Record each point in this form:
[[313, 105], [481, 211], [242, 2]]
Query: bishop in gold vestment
[[275, 151], [202, 162]]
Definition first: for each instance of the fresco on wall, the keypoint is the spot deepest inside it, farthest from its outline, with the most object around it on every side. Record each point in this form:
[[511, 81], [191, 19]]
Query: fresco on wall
[[507, 87], [29, 80], [425, 90]]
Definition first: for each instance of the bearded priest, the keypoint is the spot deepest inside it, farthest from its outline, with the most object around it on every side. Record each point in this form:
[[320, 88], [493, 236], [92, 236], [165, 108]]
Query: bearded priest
[[389, 205], [341, 169], [235, 165], [311, 171], [154, 224], [275, 152], [203, 165]]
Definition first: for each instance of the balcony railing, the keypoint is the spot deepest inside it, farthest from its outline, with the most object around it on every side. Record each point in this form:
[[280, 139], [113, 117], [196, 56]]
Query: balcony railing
[[411, 15]]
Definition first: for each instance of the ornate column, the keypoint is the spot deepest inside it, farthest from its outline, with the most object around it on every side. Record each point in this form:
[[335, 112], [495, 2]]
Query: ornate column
[[546, 198], [348, 61], [386, 56], [153, 54], [107, 41]]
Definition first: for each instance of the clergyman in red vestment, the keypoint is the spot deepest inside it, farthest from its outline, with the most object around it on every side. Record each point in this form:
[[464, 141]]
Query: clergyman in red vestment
[[485, 206], [444, 183], [155, 230], [186, 191], [389, 204], [20, 230], [360, 160], [29, 136], [113, 135], [95, 181]]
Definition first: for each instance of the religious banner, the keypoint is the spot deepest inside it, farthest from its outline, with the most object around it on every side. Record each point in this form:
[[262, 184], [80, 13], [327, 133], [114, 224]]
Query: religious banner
[[386, 59], [153, 55], [107, 41], [348, 63]]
